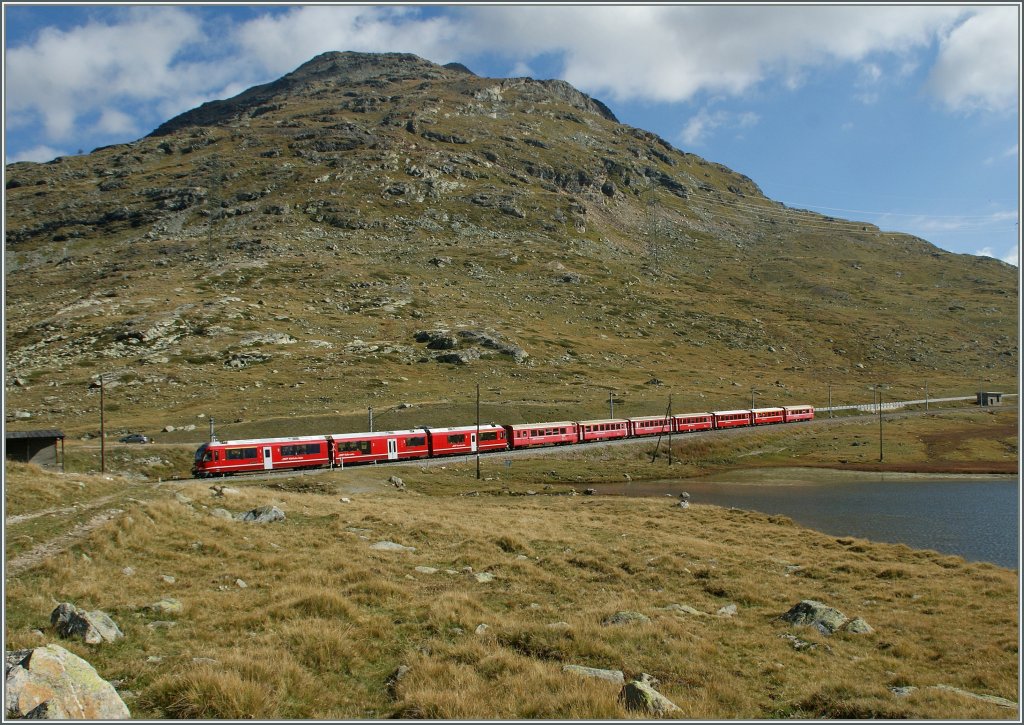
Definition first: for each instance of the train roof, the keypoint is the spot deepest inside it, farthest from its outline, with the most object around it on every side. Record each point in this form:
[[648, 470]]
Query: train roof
[[649, 417], [464, 428], [375, 434], [798, 407], [684, 415], [550, 424], [766, 410], [728, 412], [603, 420], [259, 441]]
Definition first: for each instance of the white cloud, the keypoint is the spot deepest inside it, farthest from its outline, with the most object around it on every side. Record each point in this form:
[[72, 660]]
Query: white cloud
[[281, 43], [676, 52], [171, 58], [700, 126], [870, 73], [1011, 256], [38, 154], [747, 119], [64, 76], [978, 65], [522, 70], [113, 121]]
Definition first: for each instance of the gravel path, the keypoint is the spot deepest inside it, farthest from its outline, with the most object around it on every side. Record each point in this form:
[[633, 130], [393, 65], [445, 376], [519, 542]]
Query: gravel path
[[50, 548]]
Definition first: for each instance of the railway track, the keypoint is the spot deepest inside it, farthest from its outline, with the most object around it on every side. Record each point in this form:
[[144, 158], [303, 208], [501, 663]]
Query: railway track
[[589, 445]]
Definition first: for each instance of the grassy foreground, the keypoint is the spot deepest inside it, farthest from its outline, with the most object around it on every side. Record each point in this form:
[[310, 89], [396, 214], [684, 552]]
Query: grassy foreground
[[303, 619]]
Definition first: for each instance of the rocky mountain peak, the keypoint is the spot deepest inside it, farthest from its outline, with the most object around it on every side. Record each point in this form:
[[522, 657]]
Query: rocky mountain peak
[[348, 73]]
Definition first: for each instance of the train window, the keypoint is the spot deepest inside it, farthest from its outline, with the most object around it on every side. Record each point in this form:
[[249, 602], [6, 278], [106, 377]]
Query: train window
[[490, 435], [417, 441], [354, 447], [302, 449], [456, 439], [237, 454]]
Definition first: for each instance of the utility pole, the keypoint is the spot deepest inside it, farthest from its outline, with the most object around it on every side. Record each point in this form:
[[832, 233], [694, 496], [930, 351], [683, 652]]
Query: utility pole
[[668, 418], [751, 398], [478, 431], [830, 400], [611, 405], [213, 436], [370, 412], [925, 396], [103, 432], [657, 446]]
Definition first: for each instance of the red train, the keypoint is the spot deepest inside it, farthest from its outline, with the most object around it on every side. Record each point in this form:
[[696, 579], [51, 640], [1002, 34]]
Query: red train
[[223, 458]]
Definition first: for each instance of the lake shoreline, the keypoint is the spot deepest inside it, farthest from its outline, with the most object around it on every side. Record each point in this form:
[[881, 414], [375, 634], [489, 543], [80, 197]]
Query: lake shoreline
[[772, 474], [970, 516]]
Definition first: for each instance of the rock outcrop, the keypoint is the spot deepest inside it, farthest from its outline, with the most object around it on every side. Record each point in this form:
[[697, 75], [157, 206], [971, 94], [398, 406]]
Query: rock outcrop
[[53, 684], [92, 627]]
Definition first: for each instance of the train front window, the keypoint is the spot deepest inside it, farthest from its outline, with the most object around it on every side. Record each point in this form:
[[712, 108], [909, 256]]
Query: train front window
[[203, 454]]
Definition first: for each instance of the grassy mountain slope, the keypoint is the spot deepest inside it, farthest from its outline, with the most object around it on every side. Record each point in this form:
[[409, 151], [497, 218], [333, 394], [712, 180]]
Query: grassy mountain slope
[[270, 260]]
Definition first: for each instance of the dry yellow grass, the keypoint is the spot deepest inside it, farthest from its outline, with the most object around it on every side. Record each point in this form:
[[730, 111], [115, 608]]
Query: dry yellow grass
[[323, 619]]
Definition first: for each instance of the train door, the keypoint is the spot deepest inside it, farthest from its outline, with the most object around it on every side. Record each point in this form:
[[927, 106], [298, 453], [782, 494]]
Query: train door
[[472, 442], [267, 462], [392, 449]]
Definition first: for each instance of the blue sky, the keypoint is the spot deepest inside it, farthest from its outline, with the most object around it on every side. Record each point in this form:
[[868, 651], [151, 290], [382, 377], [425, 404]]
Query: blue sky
[[905, 116]]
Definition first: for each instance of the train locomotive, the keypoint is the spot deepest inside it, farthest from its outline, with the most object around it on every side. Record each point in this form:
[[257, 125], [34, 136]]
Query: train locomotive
[[225, 458]]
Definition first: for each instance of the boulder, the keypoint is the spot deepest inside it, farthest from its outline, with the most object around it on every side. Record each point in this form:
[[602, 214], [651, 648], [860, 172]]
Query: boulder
[[640, 696], [93, 627], [167, 605], [858, 626], [390, 546], [626, 618], [812, 613], [395, 679], [615, 676], [54, 684], [264, 515]]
